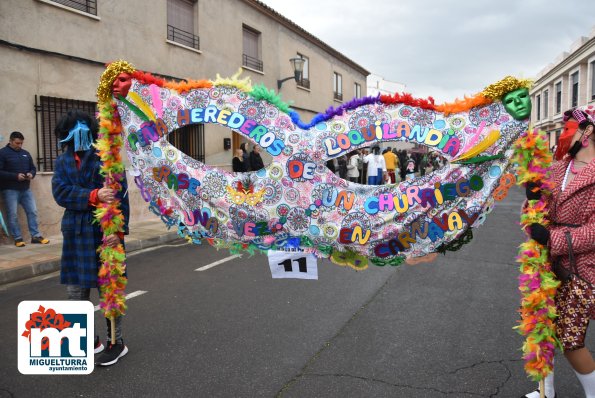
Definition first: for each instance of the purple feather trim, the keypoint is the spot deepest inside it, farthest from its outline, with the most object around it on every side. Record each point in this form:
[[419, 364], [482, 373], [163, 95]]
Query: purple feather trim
[[332, 112]]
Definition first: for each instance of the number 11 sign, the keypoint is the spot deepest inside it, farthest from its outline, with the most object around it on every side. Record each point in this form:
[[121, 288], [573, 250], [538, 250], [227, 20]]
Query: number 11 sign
[[296, 265]]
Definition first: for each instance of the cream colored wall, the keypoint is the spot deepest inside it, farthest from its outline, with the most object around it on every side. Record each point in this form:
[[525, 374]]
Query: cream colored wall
[[135, 30], [19, 82], [576, 61], [583, 84], [320, 96], [25, 74]]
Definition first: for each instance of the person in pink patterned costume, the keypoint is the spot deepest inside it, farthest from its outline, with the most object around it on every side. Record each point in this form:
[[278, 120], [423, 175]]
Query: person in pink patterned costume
[[570, 237]]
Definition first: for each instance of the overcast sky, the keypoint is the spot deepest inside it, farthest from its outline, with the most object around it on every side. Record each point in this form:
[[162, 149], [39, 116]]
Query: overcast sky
[[445, 48]]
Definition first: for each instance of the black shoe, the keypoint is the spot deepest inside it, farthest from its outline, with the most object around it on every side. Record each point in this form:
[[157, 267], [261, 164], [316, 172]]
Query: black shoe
[[537, 392], [112, 353], [19, 242], [98, 346], [40, 240]]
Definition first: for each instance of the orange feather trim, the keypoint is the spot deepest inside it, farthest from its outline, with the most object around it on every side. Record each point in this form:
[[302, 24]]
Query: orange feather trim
[[463, 105], [184, 86]]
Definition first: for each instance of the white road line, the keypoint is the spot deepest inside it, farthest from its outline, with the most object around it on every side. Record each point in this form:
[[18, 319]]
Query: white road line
[[149, 249], [128, 297], [206, 267]]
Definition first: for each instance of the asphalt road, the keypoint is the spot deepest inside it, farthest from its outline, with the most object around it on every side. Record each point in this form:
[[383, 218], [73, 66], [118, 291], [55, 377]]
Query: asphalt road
[[442, 329]]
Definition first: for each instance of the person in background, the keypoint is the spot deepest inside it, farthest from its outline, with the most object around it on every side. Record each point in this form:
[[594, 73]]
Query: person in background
[[392, 162], [398, 166], [342, 163], [410, 169], [376, 166], [330, 164], [364, 169], [423, 163], [256, 162], [16, 173], [245, 156], [435, 160], [78, 187], [353, 166], [402, 155], [570, 237], [237, 163], [416, 156]]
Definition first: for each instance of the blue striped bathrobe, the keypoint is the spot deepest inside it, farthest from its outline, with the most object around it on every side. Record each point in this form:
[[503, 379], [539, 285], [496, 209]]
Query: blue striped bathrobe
[[71, 189]]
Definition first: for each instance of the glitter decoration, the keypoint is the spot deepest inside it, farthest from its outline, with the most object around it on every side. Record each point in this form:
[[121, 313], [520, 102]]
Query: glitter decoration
[[497, 90], [104, 91]]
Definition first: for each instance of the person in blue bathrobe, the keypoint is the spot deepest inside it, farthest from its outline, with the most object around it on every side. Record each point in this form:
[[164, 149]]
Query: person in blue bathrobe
[[78, 187]]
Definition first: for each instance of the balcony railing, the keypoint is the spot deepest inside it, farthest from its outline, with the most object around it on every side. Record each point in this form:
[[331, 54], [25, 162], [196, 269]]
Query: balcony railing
[[305, 83], [338, 96], [252, 63], [185, 38], [88, 6]]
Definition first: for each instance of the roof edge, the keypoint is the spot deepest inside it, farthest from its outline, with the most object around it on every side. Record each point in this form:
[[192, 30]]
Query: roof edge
[[566, 58], [260, 6]]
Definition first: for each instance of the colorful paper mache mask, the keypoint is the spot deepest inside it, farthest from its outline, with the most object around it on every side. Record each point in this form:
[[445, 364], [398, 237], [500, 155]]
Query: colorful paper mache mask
[[296, 202], [518, 103]]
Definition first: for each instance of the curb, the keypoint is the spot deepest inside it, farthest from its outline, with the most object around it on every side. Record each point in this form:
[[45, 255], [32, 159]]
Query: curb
[[23, 272]]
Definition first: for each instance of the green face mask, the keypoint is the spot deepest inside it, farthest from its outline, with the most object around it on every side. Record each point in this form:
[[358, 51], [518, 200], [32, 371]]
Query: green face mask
[[518, 103]]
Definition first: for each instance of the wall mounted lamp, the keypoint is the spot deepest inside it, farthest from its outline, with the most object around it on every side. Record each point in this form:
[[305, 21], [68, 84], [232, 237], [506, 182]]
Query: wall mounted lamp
[[298, 68]]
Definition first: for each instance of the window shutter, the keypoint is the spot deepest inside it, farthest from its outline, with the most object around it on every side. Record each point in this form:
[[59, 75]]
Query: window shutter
[[180, 14], [251, 43]]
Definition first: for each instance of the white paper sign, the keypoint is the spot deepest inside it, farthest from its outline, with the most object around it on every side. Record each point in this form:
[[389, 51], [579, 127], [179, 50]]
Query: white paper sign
[[296, 265]]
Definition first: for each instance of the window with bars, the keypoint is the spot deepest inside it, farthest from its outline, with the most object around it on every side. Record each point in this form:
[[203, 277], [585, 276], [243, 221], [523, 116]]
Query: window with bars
[[558, 97], [357, 88], [251, 58], [305, 80], [337, 86], [592, 64], [190, 139], [574, 89], [88, 6], [180, 23], [48, 111], [538, 100]]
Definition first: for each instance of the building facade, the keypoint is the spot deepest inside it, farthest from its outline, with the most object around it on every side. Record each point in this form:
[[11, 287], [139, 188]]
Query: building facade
[[379, 85], [567, 82], [52, 53]]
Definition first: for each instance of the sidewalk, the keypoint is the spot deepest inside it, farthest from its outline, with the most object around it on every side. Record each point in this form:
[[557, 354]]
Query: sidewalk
[[18, 263]]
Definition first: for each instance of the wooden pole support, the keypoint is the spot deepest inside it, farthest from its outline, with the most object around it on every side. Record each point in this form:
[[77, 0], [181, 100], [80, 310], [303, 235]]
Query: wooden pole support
[[113, 327]]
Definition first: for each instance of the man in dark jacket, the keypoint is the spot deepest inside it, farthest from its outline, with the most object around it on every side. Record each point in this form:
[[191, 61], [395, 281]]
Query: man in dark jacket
[[256, 162], [16, 172]]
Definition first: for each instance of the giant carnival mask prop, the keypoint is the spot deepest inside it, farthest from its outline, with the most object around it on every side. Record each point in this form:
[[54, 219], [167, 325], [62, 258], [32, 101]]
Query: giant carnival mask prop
[[296, 202]]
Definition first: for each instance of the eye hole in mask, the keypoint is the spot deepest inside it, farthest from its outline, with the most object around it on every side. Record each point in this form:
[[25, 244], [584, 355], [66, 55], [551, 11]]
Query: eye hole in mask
[[402, 163]]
